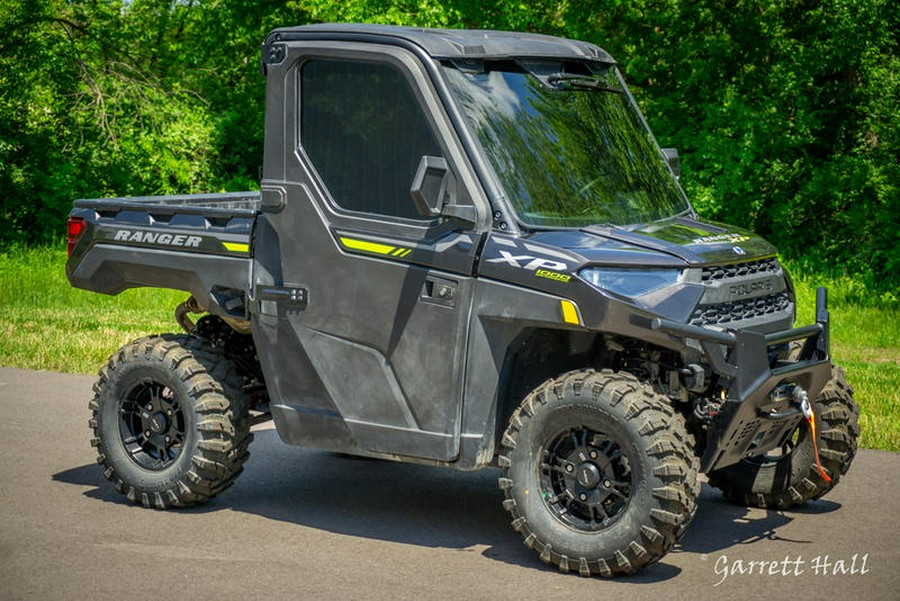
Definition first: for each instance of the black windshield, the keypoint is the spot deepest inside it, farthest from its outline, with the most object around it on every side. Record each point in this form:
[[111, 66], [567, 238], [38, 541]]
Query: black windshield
[[570, 149]]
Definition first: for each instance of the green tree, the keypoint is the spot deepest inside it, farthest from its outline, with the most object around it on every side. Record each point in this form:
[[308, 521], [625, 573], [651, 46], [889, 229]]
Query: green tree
[[83, 112], [784, 111]]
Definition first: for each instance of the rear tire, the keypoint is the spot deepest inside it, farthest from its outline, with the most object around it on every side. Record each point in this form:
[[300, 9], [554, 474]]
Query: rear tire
[[170, 421], [792, 477], [599, 473]]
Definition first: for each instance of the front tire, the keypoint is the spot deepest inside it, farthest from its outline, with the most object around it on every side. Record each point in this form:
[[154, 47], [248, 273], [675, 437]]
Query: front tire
[[599, 473], [170, 422], [791, 477]]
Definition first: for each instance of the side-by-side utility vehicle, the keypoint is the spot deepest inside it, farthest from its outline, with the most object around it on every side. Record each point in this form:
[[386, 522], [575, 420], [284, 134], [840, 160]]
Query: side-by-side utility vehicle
[[467, 250]]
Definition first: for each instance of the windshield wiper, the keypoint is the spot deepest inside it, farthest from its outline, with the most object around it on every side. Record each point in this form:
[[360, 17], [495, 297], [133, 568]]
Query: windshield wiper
[[582, 81]]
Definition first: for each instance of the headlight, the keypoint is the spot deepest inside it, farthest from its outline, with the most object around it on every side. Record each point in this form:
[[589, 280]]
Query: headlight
[[629, 282]]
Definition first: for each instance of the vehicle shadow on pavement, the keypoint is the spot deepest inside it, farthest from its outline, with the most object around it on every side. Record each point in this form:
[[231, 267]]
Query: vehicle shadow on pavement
[[720, 524], [424, 506], [91, 475]]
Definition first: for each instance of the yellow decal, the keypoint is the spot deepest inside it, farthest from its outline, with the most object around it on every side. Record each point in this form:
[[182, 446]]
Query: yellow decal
[[570, 312], [236, 247], [553, 275], [375, 247]]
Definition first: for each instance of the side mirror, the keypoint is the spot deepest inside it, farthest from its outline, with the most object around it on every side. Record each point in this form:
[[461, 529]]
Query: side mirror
[[430, 186], [434, 192], [671, 155]]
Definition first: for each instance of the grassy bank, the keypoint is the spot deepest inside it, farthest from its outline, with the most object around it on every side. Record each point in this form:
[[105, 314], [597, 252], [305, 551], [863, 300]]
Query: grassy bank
[[46, 324], [865, 340]]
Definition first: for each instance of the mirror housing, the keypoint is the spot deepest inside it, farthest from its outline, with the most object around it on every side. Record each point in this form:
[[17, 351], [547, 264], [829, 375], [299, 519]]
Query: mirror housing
[[429, 186], [671, 155], [433, 191]]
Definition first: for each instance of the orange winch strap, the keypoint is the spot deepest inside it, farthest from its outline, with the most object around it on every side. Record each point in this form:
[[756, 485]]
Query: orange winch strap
[[812, 424]]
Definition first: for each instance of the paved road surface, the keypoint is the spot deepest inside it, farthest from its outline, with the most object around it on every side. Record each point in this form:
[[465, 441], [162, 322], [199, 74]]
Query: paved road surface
[[302, 524]]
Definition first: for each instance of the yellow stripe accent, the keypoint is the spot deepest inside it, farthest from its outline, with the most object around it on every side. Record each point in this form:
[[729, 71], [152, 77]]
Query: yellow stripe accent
[[570, 312], [372, 247], [236, 247]]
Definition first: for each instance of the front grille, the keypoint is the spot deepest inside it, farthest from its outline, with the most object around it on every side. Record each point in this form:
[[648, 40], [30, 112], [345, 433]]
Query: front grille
[[728, 288], [723, 313], [739, 270]]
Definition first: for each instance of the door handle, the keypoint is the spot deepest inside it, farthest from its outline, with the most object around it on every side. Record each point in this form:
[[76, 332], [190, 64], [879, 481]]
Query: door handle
[[439, 291]]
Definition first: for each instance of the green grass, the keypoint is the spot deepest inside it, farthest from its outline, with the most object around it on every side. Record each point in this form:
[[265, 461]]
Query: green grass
[[47, 324], [865, 340]]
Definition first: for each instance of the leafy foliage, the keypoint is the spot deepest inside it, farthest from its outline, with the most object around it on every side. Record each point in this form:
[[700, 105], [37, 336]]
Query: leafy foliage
[[101, 98], [784, 111]]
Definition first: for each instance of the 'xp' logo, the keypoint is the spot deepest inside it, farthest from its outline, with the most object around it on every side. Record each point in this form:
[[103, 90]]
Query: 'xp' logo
[[532, 264]]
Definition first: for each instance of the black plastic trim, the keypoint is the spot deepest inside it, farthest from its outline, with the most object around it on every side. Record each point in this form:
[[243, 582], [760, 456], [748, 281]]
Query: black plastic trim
[[743, 357]]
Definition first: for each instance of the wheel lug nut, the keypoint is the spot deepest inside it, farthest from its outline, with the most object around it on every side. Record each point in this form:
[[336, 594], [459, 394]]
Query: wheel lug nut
[[570, 468], [149, 406], [168, 439], [593, 454], [607, 483], [169, 412], [147, 433], [582, 497]]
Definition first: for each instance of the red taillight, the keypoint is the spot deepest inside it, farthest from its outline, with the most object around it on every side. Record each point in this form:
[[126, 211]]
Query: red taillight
[[74, 228]]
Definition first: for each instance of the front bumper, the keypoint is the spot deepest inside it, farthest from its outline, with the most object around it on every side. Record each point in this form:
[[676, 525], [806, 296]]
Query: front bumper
[[751, 421]]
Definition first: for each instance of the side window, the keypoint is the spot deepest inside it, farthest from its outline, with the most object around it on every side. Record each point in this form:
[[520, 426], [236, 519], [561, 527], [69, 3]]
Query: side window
[[365, 132]]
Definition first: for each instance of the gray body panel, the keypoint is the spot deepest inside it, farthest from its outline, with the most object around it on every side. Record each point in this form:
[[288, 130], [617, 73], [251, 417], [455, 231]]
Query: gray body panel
[[199, 243]]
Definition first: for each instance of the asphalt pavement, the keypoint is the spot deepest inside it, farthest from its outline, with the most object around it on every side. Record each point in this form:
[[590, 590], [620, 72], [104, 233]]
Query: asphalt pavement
[[304, 524]]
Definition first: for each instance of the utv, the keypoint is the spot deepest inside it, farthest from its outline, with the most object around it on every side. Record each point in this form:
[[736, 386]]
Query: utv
[[468, 250]]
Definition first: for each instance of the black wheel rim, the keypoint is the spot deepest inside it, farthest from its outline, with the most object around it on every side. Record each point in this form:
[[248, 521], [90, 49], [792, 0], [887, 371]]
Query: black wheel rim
[[585, 479], [151, 424]]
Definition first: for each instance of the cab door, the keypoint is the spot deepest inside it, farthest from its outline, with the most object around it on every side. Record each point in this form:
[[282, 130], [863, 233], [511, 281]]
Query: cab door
[[362, 303]]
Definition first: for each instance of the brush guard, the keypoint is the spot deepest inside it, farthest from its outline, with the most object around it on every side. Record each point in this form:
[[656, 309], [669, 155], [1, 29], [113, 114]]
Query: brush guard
[[762, 407]]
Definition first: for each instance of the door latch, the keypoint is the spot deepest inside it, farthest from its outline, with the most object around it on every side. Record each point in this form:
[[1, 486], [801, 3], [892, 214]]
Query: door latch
[[439, 291]]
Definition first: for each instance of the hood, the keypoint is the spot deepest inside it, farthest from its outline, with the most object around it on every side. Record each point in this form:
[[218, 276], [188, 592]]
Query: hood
[[673, 241]]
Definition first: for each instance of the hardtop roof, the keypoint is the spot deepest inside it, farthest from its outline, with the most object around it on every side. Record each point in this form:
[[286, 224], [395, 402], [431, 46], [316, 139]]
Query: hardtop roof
[[450, 43]]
